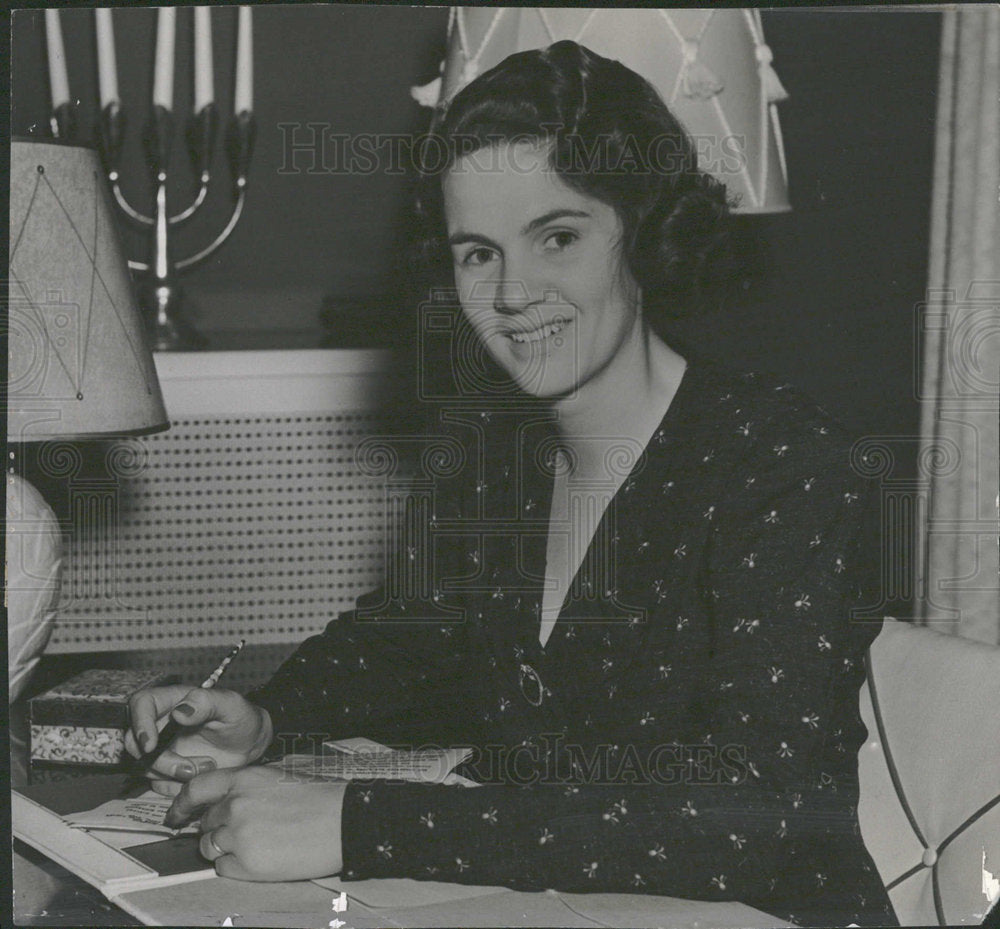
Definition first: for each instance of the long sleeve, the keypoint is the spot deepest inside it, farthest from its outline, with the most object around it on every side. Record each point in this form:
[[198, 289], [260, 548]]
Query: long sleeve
[[388, 679], [771, 666], [386, 669]]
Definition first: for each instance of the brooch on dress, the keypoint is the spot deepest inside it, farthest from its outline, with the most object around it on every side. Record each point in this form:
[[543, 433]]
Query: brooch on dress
[[526, 674]]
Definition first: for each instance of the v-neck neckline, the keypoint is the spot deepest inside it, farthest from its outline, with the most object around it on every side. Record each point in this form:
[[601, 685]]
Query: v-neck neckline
[[672, 417]]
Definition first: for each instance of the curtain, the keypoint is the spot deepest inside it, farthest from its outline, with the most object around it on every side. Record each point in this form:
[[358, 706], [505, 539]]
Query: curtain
[[959, 574]]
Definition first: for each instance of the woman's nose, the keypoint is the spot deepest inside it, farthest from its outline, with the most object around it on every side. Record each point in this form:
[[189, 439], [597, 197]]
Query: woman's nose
[[511, 295], [517, 288]]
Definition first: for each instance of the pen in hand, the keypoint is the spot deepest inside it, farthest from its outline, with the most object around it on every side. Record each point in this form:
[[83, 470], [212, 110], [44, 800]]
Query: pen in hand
[[172, 729]]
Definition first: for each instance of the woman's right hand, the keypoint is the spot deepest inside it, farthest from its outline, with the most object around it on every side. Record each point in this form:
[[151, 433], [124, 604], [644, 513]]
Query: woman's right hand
[[220, 729]]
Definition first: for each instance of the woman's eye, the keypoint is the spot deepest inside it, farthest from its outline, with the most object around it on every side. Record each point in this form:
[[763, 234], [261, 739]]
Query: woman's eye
[[557, 241], [477, 257]]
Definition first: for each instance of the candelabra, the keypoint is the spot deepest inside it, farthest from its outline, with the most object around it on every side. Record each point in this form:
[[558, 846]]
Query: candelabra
[[159, 293]]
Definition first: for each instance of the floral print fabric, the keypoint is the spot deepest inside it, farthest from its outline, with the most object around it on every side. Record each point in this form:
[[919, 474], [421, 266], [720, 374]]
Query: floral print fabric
[[691, 728]]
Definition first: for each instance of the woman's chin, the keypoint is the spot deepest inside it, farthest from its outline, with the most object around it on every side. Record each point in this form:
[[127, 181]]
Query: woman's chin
[[548, 388], [539, 373], [543, 380]]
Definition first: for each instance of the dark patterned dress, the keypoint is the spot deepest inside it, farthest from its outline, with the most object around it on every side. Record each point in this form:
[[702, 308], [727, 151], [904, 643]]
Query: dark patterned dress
[[691, 727]]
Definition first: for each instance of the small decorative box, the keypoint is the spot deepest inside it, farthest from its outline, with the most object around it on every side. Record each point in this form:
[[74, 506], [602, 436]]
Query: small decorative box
[[84, 720]]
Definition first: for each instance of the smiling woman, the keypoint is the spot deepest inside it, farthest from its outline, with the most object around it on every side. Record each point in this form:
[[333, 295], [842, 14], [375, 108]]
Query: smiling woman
[[638, 589], [534, 259]]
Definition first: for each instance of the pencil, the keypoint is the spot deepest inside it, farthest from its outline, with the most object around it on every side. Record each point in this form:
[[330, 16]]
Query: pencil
[[172, 729]]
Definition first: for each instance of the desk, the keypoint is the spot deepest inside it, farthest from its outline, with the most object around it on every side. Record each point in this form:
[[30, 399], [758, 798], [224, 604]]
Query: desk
[[46, 894]]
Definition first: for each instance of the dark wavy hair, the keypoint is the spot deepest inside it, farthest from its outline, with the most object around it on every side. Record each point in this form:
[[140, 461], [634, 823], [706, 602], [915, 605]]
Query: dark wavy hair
[[612, 138]]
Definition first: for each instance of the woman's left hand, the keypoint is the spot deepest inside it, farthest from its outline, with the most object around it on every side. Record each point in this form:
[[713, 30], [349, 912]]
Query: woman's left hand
[[258, 824]]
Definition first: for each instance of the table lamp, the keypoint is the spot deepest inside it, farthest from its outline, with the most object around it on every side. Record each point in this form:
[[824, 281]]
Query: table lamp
[[79, 366], [712, 68]]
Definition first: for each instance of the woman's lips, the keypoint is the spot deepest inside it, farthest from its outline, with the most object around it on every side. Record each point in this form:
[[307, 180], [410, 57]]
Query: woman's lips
[[540, 334]]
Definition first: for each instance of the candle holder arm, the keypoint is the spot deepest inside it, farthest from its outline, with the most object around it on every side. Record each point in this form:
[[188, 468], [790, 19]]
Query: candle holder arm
[[144, 220], [195, 204], [209, 249], [201, 136], [212, 247], [242, 134]]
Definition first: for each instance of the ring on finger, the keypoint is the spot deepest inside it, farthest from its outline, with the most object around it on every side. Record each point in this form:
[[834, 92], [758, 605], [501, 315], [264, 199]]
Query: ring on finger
[[211, 841]]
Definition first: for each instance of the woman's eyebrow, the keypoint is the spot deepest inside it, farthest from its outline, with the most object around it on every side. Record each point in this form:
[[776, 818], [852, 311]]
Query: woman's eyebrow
[[551, 216], [460, 237]]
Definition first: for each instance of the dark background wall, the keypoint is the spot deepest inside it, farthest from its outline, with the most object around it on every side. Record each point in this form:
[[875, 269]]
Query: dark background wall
[[827, 299]]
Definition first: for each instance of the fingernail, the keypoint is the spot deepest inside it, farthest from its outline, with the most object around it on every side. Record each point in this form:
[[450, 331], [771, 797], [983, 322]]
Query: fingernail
[[144, 741], [207, 765], [185, 768], [185, 709]]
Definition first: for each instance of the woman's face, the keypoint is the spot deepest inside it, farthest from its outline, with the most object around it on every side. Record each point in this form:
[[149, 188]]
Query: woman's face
[[538, 269]]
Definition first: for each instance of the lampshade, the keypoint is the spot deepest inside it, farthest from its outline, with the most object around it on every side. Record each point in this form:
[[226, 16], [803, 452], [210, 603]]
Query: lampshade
[[79, 365], [712, 68]]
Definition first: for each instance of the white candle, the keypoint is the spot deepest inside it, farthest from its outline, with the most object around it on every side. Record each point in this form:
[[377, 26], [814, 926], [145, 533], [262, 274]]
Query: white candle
[[58, 79], [243, 98], [204, 82], [107, 65], [163, 73]]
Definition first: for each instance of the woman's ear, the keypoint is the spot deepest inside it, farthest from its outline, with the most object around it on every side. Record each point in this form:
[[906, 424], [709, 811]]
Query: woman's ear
[[633, 288], [627, 280]]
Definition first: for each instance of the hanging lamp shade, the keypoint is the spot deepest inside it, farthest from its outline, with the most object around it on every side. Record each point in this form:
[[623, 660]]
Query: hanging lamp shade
[[712, 68]]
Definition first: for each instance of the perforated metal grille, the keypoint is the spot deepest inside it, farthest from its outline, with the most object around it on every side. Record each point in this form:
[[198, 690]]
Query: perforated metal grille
[[237, 526]]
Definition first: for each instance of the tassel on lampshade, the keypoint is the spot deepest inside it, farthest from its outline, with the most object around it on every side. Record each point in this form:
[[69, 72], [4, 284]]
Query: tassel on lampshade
[[712, 68]]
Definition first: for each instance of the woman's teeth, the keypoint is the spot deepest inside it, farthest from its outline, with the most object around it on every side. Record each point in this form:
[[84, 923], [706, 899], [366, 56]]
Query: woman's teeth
[[538, 334]]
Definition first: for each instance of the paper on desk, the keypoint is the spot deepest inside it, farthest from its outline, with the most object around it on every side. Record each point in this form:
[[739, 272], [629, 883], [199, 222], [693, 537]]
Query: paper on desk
[[144, 813], [392, 892], [362, 759]]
